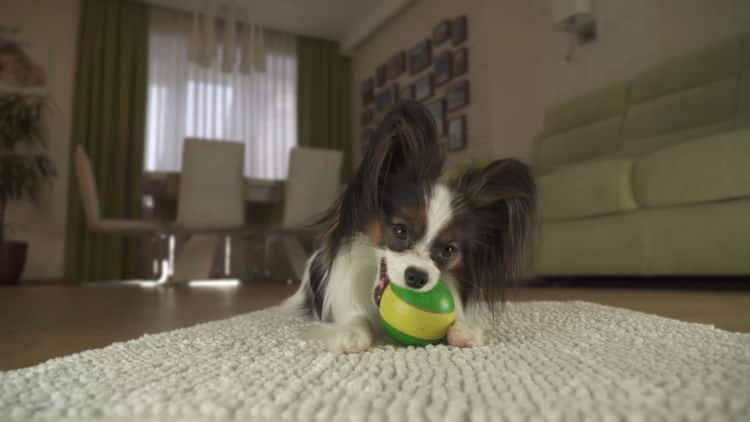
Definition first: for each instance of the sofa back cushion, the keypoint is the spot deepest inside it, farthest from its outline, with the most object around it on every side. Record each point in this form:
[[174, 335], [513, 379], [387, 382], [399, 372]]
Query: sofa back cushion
[[706, 105], [599, 138], [587, 189], [582, 128], [594, 106], [707, 65]]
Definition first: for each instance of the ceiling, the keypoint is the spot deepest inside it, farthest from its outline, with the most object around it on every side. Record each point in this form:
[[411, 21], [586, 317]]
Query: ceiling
[[328, 19]]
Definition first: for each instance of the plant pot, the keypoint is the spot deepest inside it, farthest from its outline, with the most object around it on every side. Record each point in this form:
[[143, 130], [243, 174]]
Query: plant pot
[[12, 260]]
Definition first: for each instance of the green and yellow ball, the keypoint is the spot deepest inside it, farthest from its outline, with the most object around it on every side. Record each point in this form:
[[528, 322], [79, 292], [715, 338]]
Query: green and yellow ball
[[417, 318]]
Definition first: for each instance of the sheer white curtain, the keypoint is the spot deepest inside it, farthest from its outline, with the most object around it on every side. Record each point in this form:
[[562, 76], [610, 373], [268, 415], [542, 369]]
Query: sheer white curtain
[[186, 99]]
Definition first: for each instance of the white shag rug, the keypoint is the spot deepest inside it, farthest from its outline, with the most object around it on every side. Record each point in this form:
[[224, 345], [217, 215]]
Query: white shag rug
[[545, 361]]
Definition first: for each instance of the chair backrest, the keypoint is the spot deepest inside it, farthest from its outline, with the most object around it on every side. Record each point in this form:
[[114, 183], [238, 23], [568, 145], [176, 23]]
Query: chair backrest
[[87, 187], [313, 184], [212, 185]]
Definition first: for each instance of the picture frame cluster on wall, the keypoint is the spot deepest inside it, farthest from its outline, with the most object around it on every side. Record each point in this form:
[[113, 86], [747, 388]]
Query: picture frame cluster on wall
[[433, 71]]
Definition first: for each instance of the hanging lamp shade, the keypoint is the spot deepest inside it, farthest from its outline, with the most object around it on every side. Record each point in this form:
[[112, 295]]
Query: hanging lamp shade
[[195, 48], [229, 51], [259, 52], [246, 56], [209, 34]]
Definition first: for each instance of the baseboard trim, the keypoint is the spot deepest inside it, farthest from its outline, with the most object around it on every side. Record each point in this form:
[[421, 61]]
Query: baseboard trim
[[688, 282]]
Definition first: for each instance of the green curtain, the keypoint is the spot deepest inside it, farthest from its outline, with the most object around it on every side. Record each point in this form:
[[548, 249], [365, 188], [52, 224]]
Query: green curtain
[[323, 98], [109, 121]]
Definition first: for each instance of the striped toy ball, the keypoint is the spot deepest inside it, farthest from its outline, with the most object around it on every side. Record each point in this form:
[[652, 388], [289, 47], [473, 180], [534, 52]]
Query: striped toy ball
[[417, 318]]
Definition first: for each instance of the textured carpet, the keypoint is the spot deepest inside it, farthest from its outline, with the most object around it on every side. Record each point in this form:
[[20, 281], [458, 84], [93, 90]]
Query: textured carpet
[[544, 361]]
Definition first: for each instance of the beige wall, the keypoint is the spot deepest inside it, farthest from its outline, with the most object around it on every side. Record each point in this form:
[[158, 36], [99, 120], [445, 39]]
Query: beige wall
[[517, 56], [54, 24]]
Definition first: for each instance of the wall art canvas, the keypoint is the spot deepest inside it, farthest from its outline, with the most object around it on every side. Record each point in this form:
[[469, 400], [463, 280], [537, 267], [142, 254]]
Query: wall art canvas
[[460, 61], [443, 65], [420, 57], [459, 30], [441, 32], [456, 133], [437, 110], [396, 65], [457, 95], [423, 88]]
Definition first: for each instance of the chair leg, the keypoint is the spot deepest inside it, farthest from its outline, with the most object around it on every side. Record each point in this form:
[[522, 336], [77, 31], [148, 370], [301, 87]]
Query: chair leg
[[167, 269], [265, 266], [227, 255], [171, 246], [155, 261]]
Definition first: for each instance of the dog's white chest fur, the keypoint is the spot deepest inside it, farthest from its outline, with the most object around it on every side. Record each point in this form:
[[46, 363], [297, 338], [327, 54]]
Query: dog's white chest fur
[[350, 283]]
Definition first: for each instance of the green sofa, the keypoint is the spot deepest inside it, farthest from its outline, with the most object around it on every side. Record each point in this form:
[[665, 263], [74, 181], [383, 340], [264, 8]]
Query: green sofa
[[651, 176]]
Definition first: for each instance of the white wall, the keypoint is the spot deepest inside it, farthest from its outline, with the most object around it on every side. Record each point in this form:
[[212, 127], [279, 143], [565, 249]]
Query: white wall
[[53, 23], [517, 57]]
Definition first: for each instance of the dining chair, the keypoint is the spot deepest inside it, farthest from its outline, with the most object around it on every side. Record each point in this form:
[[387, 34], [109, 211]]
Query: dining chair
[[210, 204], [312, 186], [88, 191]]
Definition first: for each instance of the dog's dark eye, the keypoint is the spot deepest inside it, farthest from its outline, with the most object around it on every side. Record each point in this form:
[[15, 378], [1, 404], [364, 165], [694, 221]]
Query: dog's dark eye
[[448, 251], [400, 232]]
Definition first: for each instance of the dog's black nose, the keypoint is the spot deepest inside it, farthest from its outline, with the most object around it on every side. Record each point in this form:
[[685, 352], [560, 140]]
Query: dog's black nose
[[415, 278]]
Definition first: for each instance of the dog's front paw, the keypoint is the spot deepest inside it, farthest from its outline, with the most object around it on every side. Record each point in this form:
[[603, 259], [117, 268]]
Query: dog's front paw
[[461, 334], [353, 338]]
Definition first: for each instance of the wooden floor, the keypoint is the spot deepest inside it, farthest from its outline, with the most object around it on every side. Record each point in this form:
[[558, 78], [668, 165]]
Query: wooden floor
[[41, 322]]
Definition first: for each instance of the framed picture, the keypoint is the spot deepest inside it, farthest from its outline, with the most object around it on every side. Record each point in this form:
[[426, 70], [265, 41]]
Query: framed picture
[[367, 116], [437, 110], [368, 91], [386, 98], [443, 64], [23, 65], [420, 57], [406, 93], [396, 65], [460, 61], [457, 95], [459, 30], [381, 75], [456, 133], [441, 32], [422, 88]]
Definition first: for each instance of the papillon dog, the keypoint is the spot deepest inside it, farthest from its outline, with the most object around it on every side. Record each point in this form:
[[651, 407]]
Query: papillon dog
[[396, 222]]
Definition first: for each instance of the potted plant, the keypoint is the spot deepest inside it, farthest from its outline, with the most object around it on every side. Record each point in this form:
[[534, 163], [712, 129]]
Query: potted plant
[[25, 167]]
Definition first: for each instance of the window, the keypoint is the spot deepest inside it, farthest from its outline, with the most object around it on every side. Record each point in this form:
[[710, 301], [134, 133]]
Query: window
[[187, 99]]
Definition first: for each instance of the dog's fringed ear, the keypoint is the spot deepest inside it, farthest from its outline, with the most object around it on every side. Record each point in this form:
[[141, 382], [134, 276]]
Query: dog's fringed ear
[[404, 145], [501, 199]]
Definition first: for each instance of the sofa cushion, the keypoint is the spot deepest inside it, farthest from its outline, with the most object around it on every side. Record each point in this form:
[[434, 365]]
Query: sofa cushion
[[641, 146], [606, 245], [585, 142], [699, 239], [593, 188], [597, 105], [706, 169], [710, 64], [704, 105]]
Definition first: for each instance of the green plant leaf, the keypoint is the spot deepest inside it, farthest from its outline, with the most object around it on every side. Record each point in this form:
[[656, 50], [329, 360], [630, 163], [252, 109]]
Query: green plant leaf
[[24, 164]]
